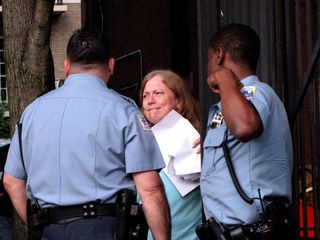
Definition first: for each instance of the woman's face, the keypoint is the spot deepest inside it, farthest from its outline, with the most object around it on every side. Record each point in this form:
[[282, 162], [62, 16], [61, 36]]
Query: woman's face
[[158, 100]]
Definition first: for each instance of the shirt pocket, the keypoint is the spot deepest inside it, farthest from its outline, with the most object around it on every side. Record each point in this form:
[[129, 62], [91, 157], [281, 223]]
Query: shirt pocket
[[212, 149]]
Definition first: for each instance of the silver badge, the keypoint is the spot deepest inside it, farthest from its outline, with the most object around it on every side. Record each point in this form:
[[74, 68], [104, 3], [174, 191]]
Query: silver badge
[[216, 120]]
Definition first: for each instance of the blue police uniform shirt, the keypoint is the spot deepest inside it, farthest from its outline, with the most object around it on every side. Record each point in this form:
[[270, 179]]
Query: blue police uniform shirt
[[263, 163], [81, 142]]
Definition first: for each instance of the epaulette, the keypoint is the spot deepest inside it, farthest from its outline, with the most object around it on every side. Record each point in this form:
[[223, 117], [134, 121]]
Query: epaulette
[[131, 101]]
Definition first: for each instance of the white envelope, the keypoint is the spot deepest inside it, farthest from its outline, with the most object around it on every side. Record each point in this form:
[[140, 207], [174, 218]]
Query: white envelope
[[175, 135]]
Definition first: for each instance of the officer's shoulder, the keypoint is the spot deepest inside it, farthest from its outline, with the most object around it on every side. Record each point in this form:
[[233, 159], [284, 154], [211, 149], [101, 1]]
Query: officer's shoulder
[[265, 89], [45, 95], [124, 99], [35, 102]]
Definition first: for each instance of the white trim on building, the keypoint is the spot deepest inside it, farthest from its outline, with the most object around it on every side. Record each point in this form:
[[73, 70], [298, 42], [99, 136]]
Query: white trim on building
[[70, 1]]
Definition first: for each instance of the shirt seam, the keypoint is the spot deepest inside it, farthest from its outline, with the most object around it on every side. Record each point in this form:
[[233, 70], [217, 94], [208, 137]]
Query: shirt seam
[[95, 150], [59, 149]]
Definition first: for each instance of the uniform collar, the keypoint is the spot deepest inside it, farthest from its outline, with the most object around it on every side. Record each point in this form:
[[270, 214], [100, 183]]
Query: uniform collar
[[214, 109], [82, 78], [250, 80]]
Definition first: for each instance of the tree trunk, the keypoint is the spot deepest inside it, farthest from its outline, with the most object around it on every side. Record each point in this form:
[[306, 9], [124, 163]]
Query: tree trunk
[[28, 60], [29, 64]]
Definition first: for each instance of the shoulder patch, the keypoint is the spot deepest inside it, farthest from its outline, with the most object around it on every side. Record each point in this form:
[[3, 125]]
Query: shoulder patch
[[144, 123], [249, 92]]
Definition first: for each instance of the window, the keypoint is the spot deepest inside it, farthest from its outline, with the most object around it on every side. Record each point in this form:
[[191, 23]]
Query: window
[[3, 84]]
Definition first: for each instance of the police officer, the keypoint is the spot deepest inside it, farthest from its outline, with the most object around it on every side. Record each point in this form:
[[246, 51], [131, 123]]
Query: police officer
[[81, 144], [251, 120]]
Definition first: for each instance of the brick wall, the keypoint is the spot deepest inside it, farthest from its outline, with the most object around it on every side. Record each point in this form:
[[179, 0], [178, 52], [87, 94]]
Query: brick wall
[[62, 28]]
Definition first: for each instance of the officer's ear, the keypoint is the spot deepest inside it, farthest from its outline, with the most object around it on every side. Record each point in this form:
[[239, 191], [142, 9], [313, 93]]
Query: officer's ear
[[66, 65], [111, 65], [220, 55]]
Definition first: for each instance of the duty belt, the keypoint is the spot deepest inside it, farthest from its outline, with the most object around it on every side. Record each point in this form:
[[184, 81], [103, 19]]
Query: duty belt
[[88, 210]]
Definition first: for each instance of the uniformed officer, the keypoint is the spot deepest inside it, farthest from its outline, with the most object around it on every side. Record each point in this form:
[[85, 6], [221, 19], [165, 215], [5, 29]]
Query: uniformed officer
[[251, 120], [82, 143]]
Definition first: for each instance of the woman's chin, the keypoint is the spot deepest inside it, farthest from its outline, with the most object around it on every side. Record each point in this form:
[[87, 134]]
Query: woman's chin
[[154, 121]]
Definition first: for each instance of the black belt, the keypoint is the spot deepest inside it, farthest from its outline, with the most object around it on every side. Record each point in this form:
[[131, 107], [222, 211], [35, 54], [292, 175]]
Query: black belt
[[87, 210]]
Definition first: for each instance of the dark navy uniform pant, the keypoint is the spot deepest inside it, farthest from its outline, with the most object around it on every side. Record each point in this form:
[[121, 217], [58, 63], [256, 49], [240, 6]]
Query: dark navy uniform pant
[[100, 228]]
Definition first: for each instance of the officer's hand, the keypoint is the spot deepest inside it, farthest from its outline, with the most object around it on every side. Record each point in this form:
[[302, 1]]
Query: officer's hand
[[212, 83], [223, 77]]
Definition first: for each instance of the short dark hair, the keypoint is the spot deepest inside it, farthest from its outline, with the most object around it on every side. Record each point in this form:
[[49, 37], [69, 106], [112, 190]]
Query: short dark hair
[[88, 46], [240, 41]]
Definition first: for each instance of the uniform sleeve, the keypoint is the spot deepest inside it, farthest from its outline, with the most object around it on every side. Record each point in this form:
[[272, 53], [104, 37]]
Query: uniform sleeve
[[141, 152], [262, 101], [14, 165]]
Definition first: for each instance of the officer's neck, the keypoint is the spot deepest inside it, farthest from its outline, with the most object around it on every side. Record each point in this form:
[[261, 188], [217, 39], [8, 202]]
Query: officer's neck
[[99, 70]]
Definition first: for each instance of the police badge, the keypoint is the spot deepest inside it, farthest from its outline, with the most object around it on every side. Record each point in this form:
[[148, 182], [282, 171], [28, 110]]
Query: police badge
[[216, 120]]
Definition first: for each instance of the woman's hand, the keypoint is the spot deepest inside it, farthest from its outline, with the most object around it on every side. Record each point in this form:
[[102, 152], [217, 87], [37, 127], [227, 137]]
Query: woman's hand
[[197, 145]]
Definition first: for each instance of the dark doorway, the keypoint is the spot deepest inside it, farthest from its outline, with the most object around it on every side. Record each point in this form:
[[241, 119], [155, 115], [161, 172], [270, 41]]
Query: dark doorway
[[147, 35]]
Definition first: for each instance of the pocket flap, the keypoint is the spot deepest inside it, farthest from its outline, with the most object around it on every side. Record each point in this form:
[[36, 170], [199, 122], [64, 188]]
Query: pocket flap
[[214, 137]]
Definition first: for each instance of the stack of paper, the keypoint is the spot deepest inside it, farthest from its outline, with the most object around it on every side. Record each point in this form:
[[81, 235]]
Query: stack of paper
[[175, 136]]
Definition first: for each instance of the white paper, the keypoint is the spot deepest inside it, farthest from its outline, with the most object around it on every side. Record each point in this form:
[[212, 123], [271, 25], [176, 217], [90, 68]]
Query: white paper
[[175, 135]]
